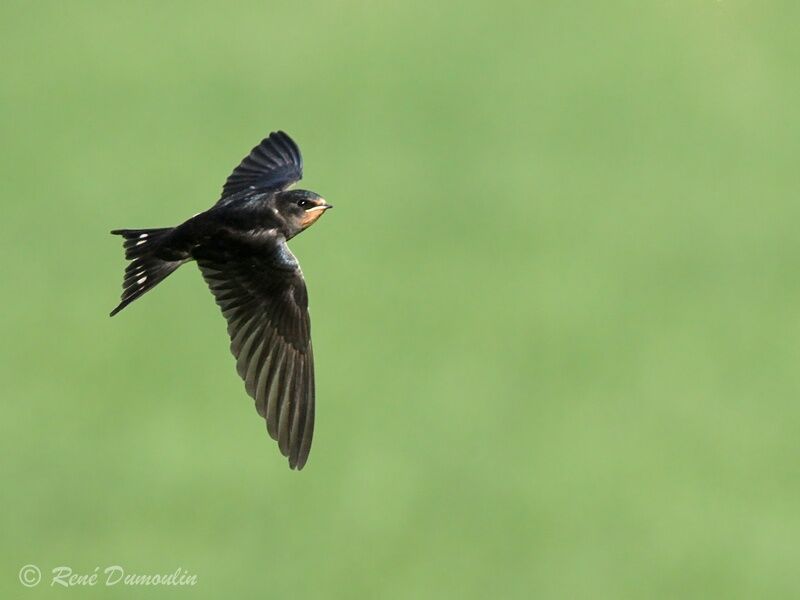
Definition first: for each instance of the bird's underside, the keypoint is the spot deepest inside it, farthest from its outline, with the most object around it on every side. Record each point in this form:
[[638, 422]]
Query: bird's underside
[[240, 247]]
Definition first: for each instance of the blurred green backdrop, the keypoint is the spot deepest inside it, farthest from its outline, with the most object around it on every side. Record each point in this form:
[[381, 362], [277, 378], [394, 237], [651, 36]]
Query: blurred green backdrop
[[555, 310]]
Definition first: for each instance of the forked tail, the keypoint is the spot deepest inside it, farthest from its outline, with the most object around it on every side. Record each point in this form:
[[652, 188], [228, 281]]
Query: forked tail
[[145, 269]]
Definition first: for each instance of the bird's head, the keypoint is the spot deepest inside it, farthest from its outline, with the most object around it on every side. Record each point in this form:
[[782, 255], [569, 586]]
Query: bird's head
[[299, 209]]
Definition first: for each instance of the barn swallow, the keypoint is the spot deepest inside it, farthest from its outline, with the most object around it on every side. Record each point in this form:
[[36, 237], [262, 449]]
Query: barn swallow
[[240, 246]]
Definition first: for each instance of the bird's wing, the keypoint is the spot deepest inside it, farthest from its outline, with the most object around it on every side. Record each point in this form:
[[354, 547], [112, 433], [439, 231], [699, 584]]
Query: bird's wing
[[260, 289], [271, 166]]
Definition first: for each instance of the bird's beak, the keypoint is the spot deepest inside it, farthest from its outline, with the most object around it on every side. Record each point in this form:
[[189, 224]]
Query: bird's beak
[[322, 206], [314, 213]]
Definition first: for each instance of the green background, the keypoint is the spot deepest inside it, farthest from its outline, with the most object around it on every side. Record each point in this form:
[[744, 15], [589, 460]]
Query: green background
[[555, 310]]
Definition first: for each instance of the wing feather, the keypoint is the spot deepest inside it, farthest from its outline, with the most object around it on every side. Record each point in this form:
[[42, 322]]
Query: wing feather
[[273, 165], [264, 301]]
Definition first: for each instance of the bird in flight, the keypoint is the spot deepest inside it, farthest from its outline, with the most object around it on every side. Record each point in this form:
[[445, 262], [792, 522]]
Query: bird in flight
[[240, 246]]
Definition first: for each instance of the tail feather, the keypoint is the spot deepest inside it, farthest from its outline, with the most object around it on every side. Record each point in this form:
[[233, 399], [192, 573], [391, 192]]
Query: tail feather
[[139, 242], [145, 269]]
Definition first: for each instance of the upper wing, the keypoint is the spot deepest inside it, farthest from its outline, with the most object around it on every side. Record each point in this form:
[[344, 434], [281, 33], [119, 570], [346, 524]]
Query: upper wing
[[273, 165], [260, 289]]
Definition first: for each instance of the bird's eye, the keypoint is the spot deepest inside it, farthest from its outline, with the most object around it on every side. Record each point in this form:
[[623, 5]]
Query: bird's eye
[[302, 203]]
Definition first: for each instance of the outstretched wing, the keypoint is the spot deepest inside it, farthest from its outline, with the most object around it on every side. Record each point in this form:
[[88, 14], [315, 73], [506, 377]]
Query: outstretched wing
[[273, 165], [260, 289]]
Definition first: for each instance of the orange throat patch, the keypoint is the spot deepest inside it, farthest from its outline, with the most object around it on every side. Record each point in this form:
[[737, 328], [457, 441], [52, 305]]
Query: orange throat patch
[[311, 217]]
